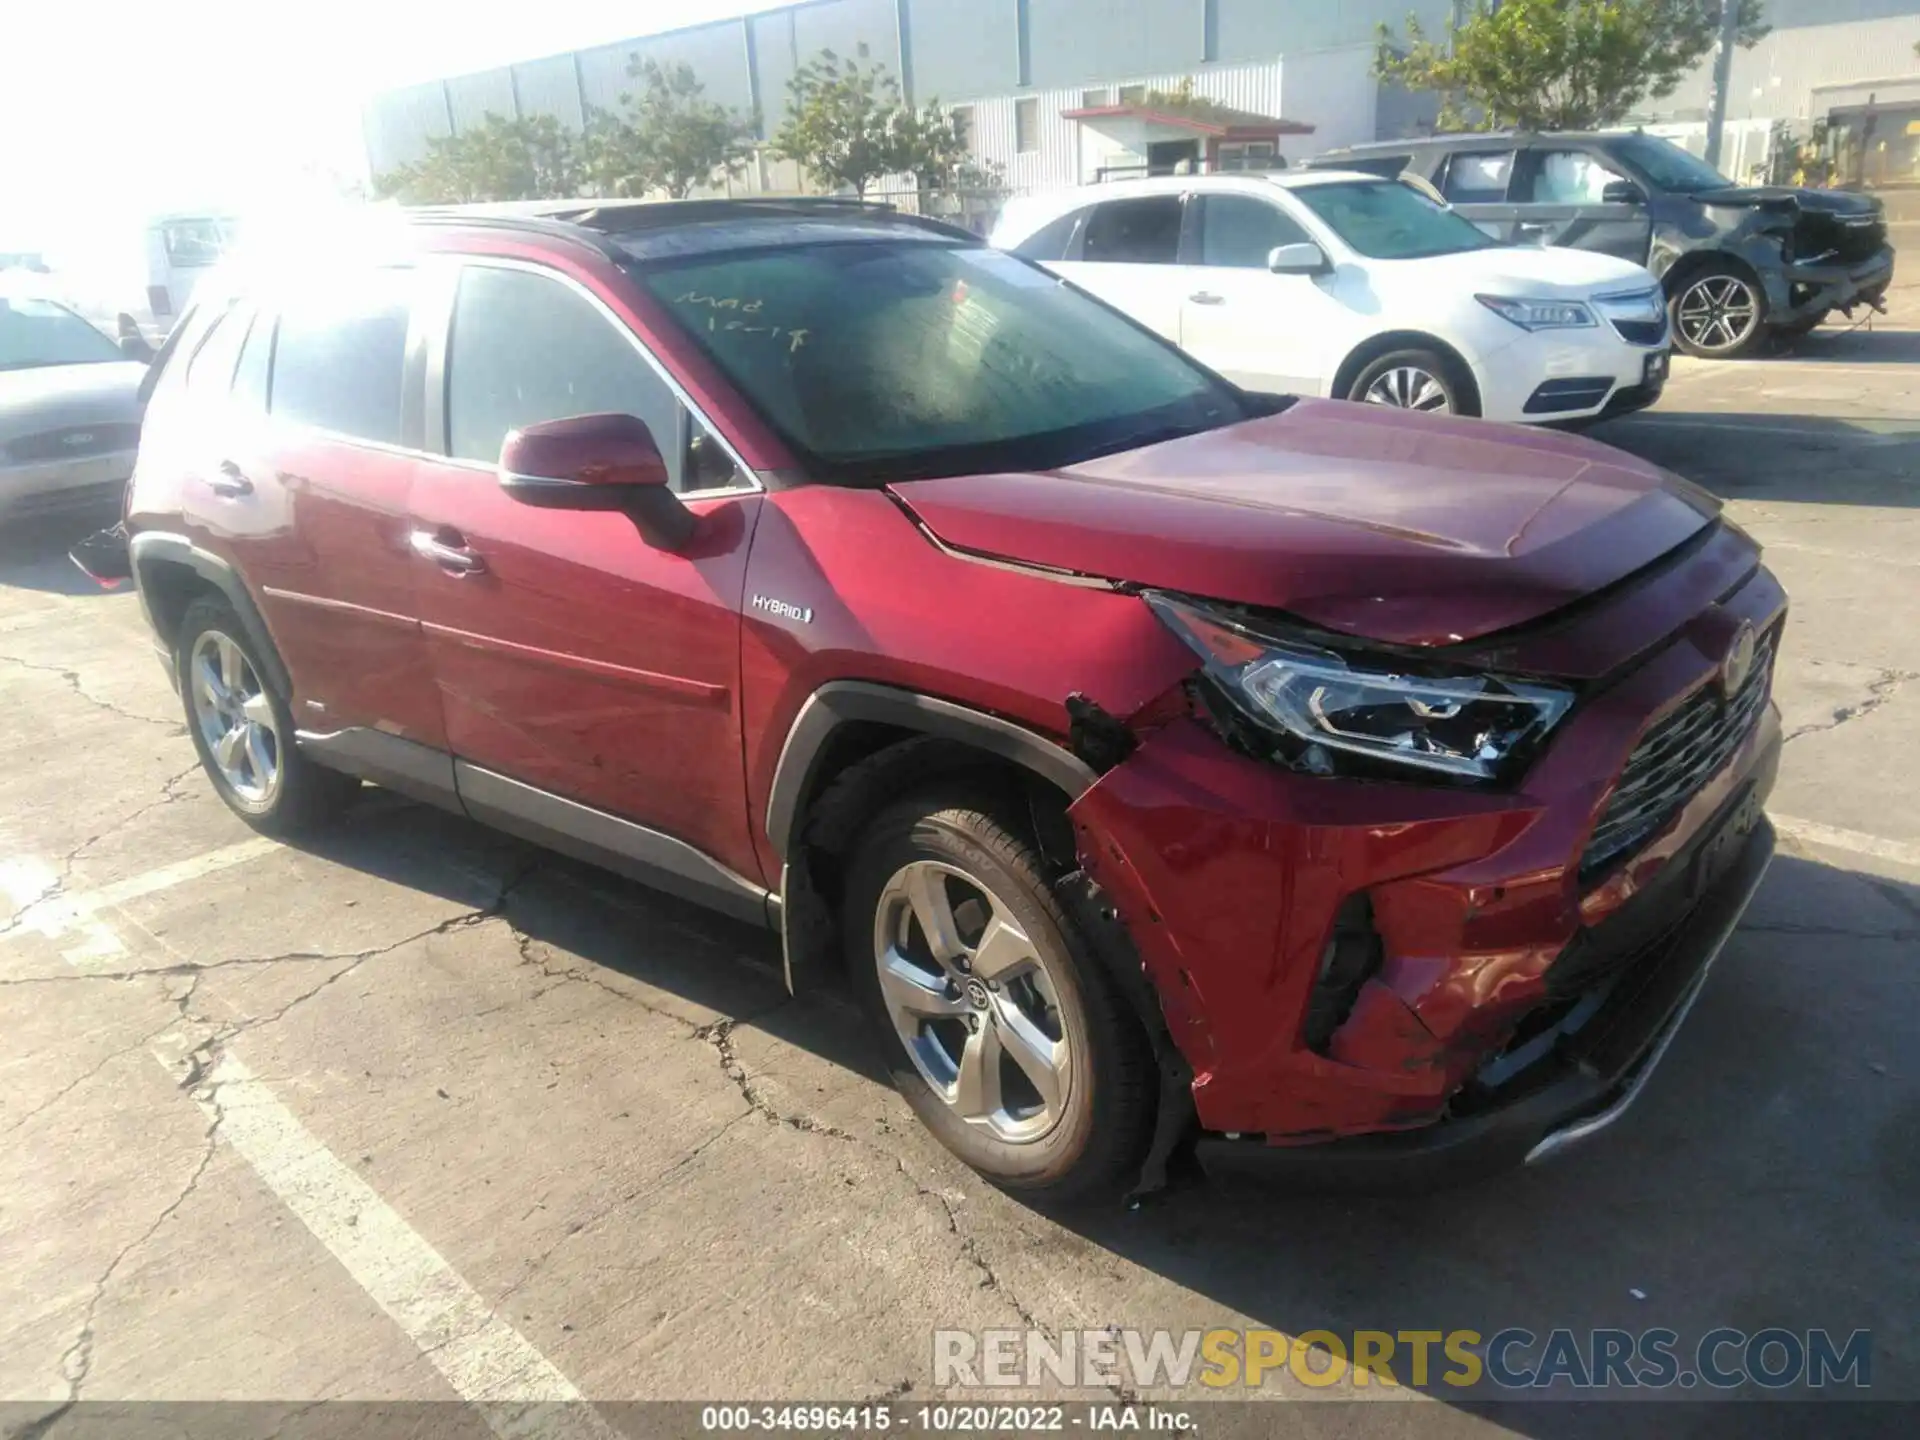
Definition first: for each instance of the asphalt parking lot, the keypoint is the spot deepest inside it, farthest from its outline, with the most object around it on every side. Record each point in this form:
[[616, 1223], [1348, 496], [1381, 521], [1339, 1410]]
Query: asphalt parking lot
[[417, 1113]]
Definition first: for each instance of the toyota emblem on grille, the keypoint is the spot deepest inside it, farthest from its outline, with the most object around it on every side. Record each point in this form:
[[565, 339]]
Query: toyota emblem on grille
[[1738, 665]]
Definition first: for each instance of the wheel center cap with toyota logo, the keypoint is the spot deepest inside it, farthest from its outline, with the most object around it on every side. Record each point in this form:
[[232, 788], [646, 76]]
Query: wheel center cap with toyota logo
[[977, 994]]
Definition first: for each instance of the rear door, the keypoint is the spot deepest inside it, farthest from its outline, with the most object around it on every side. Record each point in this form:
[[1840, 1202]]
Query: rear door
[[314, 495], [1264, 331], [1558, 200], [572, 656], [1476, 183], [1127, 252]]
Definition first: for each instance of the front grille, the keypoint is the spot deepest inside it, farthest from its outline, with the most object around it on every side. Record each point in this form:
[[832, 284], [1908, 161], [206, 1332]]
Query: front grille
[[1674, 759], [73, 442], [1838, 239]]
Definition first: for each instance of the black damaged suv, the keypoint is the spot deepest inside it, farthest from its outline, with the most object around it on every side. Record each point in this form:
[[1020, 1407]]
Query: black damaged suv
[[1738, 262]]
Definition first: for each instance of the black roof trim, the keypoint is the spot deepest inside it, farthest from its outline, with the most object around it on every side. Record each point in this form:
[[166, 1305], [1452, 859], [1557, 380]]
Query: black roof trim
[[583, 218]]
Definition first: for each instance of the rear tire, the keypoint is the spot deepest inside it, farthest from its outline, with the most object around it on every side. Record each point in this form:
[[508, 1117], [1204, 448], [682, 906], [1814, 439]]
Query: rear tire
[[1414, 379], [243, 730], [1004, 1032]]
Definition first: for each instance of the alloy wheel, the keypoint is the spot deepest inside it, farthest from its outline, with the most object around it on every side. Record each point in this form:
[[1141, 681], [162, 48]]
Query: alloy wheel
[[235, 717], [973, 1001], [1407, 387], [1718, 312]]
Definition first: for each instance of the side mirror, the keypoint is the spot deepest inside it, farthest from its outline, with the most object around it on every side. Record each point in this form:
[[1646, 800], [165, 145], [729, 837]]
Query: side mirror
[[1622, 192], [1301, 258], [596, 462], [135, 347]]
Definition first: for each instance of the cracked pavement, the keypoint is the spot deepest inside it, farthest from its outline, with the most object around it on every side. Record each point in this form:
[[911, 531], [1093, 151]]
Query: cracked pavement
[[600, 1107]]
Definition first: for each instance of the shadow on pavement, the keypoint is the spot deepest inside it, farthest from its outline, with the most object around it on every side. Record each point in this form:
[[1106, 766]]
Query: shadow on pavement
[[1770, 1175], [1770, 455], [33, 550], [1839, 342]]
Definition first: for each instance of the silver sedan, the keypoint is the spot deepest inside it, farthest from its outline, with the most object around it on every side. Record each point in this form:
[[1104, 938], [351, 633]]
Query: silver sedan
[[69, 408]]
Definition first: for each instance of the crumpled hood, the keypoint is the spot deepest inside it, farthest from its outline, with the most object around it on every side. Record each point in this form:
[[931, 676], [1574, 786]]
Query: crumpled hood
[[1394, 526], [1825, 202], [55, 397]]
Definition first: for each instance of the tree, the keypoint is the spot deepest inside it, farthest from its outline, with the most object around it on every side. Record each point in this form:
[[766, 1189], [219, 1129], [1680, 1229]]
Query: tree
[[668, 138], [844, 121], [532, 158], [1558, 64]]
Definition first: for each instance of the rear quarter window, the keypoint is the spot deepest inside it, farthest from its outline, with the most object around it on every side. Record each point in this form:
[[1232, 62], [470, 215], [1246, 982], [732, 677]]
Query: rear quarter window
[[1054, 240], [340, 353]]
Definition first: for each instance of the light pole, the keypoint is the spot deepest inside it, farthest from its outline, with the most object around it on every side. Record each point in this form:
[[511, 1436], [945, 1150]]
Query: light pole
[[1722, 74]]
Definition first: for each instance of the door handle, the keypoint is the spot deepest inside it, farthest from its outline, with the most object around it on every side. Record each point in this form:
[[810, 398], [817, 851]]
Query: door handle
[[229, 481], [1207, 297], [1534, 227], [454, 558]]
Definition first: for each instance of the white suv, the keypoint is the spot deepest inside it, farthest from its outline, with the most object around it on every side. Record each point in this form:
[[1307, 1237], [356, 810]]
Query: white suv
[[1347, 285]]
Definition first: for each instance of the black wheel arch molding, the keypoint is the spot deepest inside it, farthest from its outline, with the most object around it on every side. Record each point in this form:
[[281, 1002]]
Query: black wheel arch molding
[[159, 555], [796, 774]]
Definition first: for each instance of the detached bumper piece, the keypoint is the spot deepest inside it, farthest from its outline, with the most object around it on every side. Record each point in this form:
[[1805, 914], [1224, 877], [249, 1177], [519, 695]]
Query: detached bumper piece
[[1576, 1077], [104, 557]]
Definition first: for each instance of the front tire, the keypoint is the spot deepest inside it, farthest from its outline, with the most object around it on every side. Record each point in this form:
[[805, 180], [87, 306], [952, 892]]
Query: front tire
[[996, 1020], [1718, 312], [243, 731], [1413, 380]]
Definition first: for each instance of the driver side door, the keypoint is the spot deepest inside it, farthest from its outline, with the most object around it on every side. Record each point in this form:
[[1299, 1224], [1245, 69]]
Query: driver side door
[[589, 680]]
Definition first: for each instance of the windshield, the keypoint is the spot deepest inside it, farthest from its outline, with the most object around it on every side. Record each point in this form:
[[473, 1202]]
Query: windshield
[[1668, 166], [34, 333], [894, 360], [199, 242], [1385, 220]]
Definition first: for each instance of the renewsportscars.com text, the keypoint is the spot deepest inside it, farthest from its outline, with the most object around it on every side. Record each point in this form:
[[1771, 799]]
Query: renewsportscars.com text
[[1512, 1359]]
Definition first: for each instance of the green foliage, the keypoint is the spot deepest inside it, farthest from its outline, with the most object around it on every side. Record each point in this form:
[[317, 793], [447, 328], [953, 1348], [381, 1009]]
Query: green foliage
[[669, 137], [847, 125], [1558, 64], [1182, 101], [843, 121], [533, 158]]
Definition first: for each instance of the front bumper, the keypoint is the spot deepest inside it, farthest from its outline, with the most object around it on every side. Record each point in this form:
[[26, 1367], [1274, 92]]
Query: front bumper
[[1797, 291], [1599, 1072], [1555, 377], [56, 485]]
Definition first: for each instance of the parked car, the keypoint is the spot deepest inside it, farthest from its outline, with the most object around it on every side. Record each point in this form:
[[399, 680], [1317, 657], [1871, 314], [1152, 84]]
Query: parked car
[[1369, 790], [69, 408], [1738, 262], [1354, 287]]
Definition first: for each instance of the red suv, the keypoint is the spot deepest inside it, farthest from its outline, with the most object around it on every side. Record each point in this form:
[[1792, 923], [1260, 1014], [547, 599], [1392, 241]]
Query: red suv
[[1361, 792]]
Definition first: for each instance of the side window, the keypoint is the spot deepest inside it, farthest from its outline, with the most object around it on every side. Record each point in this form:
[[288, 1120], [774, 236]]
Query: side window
[[210, 366], [1239, 230], [1054, 240], [1477, 177], [529, 347], [339, 355], [1134, 232], [256, 361], [1566, 177]]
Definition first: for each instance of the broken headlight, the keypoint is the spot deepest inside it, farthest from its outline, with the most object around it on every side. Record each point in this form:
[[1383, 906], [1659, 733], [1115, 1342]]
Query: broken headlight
[[1322, 705]]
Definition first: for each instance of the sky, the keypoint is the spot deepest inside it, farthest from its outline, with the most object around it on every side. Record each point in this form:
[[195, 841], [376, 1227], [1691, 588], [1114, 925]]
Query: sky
[[114, 111]]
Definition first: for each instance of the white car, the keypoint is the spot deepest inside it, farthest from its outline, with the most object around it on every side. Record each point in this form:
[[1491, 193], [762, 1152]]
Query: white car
[[1346, 285]]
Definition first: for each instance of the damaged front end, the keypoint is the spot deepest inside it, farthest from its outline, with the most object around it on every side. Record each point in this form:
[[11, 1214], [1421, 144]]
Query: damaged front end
[[1367, 907]]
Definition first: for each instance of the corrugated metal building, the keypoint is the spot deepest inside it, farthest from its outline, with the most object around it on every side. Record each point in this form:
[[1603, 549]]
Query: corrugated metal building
[[1017, 65]]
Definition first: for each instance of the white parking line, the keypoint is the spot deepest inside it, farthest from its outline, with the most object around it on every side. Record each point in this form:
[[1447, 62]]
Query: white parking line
[[481, 1356], [1863, 438], [24, 880], [1901, 852], [521, 1394]]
